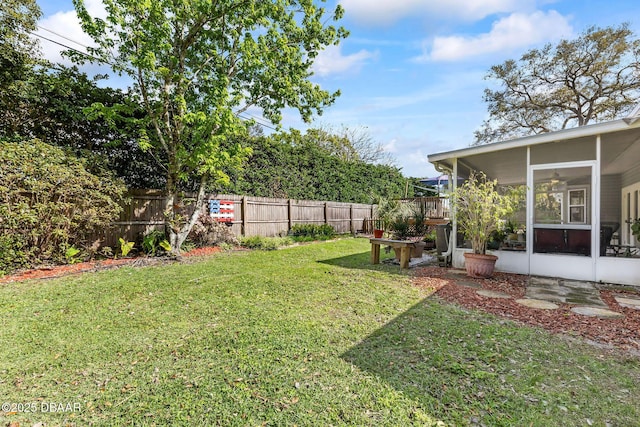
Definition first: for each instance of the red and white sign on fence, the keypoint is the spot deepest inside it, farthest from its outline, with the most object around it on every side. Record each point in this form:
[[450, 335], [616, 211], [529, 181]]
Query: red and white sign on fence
[[221, 210]]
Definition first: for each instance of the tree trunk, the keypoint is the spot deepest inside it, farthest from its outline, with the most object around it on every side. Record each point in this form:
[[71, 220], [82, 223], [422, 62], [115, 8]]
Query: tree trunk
[[179, 229]]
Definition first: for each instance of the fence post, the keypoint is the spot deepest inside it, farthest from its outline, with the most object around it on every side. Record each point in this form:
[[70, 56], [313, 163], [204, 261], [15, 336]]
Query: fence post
[[290, 213], [352, 226], [326, 212], [244, 215]]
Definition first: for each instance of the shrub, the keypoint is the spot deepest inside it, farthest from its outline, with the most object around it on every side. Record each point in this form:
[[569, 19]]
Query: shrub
[[304, 232], [209, 232], [49, 202], [155, 243], [264, 243]]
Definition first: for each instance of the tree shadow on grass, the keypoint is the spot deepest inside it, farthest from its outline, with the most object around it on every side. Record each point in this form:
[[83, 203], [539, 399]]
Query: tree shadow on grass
[[466, 368]]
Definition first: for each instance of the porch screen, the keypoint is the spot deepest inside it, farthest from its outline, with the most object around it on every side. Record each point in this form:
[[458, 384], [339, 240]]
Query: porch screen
[[562, 211]]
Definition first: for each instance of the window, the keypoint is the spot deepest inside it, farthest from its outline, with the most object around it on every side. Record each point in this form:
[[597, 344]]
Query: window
[[562, 196], [578, 206]]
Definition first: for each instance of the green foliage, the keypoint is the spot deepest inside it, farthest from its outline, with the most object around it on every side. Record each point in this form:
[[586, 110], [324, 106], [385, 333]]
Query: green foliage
[[312, 335], [292, 165], [197, 65], [408, 221], [155, 242], [389, 210], [480, 209], [49, 202], [430, 236], [590, 78], [53, 105], [264, 243], [72, 255], [401, 227], [18, 50], [306, 232], [635, 229], [125, 246]]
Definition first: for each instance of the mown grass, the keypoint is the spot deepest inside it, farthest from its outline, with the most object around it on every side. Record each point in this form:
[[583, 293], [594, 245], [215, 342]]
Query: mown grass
[[310, 335]]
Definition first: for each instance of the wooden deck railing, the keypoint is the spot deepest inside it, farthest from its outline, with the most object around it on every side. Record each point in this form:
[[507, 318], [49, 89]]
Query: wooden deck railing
[[433, 207]]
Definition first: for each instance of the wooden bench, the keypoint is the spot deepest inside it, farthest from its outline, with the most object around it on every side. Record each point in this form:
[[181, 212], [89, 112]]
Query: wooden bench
[[404, 246]]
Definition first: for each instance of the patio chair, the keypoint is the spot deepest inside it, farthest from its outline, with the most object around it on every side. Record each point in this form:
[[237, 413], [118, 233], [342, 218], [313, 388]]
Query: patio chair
[[443, 244], [607, 230]]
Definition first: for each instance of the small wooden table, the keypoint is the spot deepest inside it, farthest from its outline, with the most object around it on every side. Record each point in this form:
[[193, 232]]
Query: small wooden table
[[404, 246]]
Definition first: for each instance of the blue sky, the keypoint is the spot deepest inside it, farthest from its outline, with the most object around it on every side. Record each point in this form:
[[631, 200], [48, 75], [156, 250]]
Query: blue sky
[[412, 72]]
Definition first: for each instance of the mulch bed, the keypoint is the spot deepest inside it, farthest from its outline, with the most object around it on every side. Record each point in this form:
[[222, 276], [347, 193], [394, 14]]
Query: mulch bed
[[621, 333], [51, 271]]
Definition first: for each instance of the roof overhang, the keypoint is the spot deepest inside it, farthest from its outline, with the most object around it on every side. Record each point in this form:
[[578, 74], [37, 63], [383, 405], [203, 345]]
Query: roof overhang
[[561, 135], [507, 159]]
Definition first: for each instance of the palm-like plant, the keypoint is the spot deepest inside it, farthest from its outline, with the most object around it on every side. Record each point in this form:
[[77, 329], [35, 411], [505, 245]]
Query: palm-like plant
[[480, 208]]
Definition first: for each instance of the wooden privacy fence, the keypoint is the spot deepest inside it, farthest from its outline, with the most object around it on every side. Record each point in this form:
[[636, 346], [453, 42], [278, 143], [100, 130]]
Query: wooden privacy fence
[[252, 216]]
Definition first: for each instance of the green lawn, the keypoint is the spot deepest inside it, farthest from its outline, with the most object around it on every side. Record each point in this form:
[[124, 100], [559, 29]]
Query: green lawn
[[308, 335]]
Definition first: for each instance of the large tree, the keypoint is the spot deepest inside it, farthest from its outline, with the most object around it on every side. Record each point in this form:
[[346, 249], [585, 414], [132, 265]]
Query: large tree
[[594, 77], [19, 53], [18, 50], [51, 106], [197, 64]]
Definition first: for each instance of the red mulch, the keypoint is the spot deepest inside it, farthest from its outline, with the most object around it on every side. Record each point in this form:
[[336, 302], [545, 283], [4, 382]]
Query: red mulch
[[622, 333], [67, 269]]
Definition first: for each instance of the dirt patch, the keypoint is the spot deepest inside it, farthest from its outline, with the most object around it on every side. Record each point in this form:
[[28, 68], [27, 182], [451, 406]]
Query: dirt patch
[[46, 272], [621, 333]]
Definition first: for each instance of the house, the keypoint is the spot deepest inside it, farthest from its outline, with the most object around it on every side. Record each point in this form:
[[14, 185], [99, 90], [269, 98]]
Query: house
[[582, 188]]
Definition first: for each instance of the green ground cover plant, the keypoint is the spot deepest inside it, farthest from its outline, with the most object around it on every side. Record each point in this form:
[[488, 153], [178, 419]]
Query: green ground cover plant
[[306, 335]]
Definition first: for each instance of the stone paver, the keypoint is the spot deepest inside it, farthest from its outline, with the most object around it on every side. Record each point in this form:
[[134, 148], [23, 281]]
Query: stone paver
[[625, 301], [469, 284], [492, 294], [564, 291], [596, 312], [537, 303], [547, 292]]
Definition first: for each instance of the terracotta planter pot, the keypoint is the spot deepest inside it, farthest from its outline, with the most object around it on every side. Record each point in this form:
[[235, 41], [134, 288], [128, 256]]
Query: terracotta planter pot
[[377, 233], [479, 265], [416, 252]]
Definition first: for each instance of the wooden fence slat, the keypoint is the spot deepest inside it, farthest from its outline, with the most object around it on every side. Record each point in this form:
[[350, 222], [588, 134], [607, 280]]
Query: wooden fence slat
[[261, 216]]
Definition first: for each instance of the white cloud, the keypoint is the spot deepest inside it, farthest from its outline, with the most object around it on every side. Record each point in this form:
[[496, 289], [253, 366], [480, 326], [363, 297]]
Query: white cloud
[[391, 146], [64, 27], [508, 34], [384, 12], [332, 61]]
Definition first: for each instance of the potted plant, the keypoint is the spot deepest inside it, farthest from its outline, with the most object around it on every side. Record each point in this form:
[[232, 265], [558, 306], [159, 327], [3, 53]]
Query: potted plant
[[411, 227], [635, 230], [384, 215], [430, 239], [387, 211], [480, 208]]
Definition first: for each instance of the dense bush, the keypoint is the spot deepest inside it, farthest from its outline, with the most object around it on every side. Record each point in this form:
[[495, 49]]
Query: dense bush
[[303, 232], [264, 243], [293, 166], [209, 232], [49, 202], [155, 243]]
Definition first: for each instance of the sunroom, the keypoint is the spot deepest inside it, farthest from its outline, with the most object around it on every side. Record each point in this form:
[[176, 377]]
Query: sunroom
[[580, 195]]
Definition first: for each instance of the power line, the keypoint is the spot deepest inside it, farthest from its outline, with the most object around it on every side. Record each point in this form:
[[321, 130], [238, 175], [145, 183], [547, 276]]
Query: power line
[[62, 36], [265, 122], [257, 122], [66, 46], [251, 116]]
